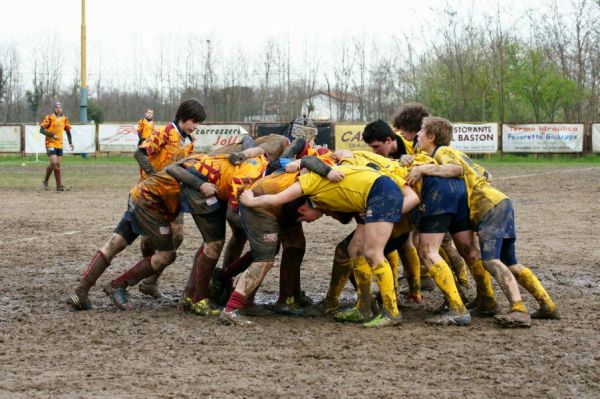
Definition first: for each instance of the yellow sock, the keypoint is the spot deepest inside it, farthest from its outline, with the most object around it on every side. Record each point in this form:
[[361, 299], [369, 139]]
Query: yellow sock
[[362, 273], [340, 273], [529, 281], [519, 307], [412, 270], [442, 275], [483, 282], [444, 255], [394, 260], [460, 271], [383, 276]]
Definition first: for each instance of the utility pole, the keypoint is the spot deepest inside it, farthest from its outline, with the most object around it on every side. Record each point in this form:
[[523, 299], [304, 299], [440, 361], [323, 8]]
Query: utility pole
[[83, 104]]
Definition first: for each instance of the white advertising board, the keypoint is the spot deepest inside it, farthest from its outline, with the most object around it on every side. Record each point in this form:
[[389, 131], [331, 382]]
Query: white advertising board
[[117, 137], [543, 137], [10, 138], [595, 137], [475, 137], [83, 140], [211, 137]]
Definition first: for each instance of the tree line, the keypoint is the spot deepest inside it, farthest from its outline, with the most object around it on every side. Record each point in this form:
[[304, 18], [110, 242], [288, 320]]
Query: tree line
[[543, 68]]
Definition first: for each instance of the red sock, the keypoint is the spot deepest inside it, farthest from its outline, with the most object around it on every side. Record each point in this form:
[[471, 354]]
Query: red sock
[[236, 301]]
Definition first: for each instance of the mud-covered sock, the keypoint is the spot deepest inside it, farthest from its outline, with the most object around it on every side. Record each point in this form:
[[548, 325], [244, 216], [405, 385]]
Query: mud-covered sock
[[442, 275], [384, 278], [483, 283], [412, 270], [138, 272], [236, 301], [527, 279], [362, 274]]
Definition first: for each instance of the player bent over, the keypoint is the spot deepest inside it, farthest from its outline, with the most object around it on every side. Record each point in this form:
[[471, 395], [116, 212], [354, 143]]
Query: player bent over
[[492, 217], [362, 190], [161, 148]]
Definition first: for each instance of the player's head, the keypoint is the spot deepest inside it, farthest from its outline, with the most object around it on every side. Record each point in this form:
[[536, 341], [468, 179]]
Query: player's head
[[308, 213], [149, 114], [57, 108], [380, 137], [303, 128], [409, 117], [435, 131], [190, 114]]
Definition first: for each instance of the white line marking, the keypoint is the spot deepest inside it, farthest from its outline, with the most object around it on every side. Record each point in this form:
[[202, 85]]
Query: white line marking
[[543, 173]]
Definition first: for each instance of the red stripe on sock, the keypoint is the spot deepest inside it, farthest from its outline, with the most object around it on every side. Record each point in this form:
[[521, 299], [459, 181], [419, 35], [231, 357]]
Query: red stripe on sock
[[236, 301]]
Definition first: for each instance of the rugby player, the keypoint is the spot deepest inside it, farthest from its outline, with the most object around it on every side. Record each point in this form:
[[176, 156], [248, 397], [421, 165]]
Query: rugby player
[[53, 127]]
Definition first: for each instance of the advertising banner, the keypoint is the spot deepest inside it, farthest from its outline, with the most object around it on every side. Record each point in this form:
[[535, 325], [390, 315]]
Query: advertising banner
[[83, 140], [10, 138], [596, 137], [212, 137], [543, 137], [475, 137], [349, 137], [117, 137]]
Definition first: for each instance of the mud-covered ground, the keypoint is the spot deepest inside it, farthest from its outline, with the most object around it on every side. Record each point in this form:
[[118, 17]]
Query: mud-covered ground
[[46, 350]]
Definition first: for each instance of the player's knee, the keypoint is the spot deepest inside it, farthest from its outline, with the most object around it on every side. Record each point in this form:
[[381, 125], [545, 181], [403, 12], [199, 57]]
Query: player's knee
[[341, 252], [164, 258], [213, 249], [177, 238], [426, 252]]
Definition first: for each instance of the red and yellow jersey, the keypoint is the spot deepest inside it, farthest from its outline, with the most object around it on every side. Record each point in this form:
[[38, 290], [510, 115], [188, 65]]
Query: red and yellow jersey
[[145, 128], [229, 179], [165, 146], [273, 184], [482, 195], [158, 195], [348, 195], [55, 124]]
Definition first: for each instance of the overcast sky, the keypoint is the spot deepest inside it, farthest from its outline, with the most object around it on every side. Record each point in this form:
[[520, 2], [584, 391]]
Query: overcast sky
[[114, 26]]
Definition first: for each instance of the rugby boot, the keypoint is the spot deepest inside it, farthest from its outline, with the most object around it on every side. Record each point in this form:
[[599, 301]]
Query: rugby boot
[[450, 318], [234, 317], [480, 308], [45, 186], [513, 320], [152, 290], [326, 307], [58, 178], [204, 308], [79, 300], [185, 304], [383, 320], [288, 307], [254, 310], [545, 313], [119, 296], [304, 300], [352, 315]]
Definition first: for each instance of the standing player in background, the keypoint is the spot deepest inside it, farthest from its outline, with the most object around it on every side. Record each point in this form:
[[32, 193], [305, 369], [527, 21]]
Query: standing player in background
[[171, 143], [53, 127], [145, 126]]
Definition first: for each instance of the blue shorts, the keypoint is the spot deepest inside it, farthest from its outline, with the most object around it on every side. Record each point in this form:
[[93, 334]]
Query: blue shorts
[[442, 195], [497, 234], [54, 151], [384, 203]]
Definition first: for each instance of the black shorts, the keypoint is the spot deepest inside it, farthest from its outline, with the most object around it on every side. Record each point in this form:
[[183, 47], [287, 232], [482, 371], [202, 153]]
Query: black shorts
[[136, 221], [262, 232], [443, 223], [54, 151], [212, 225]]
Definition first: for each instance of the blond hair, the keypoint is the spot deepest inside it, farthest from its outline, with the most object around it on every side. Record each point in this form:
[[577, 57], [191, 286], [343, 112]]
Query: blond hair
[[441, 128]]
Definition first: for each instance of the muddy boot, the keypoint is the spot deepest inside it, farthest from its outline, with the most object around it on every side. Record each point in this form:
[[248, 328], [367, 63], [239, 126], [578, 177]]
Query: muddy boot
[[513, 320], [544, 313], [79, 300], [234, 317], [152, 290], [450, 318], [59, 185], [49, 170], [383, 319], [479, 308], [116, 289], [352, 315], [288, 307], [205, 308]]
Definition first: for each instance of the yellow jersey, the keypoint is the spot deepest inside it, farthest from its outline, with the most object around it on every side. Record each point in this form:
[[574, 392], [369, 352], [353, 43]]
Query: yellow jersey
[[145, 128], [55, 124], [482, 196]]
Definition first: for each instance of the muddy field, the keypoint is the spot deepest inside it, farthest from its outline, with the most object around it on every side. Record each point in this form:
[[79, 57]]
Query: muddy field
[[46, 350]]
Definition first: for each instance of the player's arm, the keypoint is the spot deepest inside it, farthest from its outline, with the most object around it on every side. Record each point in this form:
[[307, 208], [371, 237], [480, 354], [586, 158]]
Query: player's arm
[[194, 180], [248, 199], [447, 170], [238, 157], [46, 125], [140, 128], [411, 199], [68, 131], [314, 164], [141, 157]]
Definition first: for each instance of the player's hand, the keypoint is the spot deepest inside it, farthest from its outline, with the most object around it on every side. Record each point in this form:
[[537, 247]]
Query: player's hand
[[72, 147], [406, 160], [55, 137], [237, 158], [488, 176], [208, 189], [293, 166], [335, 175], [413, 176], [247, 198]]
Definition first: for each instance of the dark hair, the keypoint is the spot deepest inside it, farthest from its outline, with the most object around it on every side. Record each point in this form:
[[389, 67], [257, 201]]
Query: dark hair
[[191, 109], [377, 130], [409, 117]]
